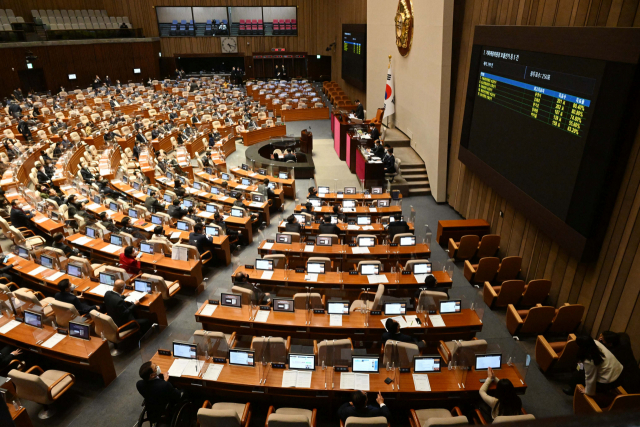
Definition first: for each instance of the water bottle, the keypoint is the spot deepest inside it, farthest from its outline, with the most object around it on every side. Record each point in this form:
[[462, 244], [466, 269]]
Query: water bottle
[[102, 336], [16, 404]]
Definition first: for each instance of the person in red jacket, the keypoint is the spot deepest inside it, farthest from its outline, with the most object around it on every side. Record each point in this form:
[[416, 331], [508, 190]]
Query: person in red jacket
[[129, 261]]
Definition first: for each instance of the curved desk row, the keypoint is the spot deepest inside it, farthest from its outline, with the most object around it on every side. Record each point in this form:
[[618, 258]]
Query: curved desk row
[[345, 229]]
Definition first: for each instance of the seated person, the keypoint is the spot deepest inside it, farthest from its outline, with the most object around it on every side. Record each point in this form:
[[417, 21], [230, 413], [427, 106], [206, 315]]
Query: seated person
[[129, 262], [337, 211], [65, 295], [175, 211], [121, 311], [506, 401], [358, 407], [158, 235], [7, 354], [242, 280], [393, 333], [619, 344], [398, 226], [313, 192], [199, 239], [58, 243], [180, 192], [107, 222], [156, 390], [290, 156], [292, 224], [327, 228]]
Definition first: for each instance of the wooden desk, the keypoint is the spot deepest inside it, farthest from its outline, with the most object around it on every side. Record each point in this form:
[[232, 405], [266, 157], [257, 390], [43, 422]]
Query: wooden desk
[[455, 229], [245, 381], [335, 280], [20, 417], [360, 197], [312, 229], [354, 143], [93, 355], [288, 185], [232, 185], [371, 173], [46, 225], [461, 326], [150, 307], [358, 210], [296, 114], [263, 134], [339, 126], [163, 144]]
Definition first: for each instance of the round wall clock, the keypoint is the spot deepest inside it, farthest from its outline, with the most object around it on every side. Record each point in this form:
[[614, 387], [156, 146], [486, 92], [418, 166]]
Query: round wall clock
[[404, 26]]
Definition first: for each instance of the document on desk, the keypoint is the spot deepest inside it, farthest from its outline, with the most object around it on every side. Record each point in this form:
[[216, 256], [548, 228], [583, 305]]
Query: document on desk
[[317, 209], [101, 290], [436, 320], [358, 250], [206, 214], [266, 275], [208, 310], [309, 248], [367, 227], [421, 382], [37, 271], [111, 248], [401, 321], [262, 316], [335, 320], [55, 339], [40, 220], [193, 367], [134, 296], [267, 245], [353, 227], [150, 228], [412, 321], [373, 209], [138, 195], [348, 209], [176, 235], [313, 277], [92, 206], [377, 278], [420, 278], [129, 190], [213, 372], [241, 187], [255, 204], [340, 196], [351, 381], [177, 367], [115, 181], [82, 240], [8, 326], [298, 379], [55, 276]]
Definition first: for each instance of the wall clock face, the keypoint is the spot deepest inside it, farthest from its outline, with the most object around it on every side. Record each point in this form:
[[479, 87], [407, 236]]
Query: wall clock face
[[404, 26], [229, 44]]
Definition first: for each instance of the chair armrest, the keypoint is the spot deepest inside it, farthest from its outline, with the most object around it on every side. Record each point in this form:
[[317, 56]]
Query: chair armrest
[[341, 423], [204, 259], [131, 322], [489, 294], [480, 418], [583, 403], [16, 364], [269, 412], [33, 368], [28, 233], [456, 412], [98, 268], [446, 349], [246, 415], [206, 405], [315, 347], [350, 342], [50, 389], [10, 283], [469, 271], [545, 354], [314, 413], [453, 248], [38, 295], [177, 290], [413, 418], [288, 343], [514, 321]]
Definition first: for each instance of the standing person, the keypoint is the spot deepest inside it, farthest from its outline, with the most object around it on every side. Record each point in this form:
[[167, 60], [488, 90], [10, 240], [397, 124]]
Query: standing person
[[602, 371], [389, 162], [619, 344], [506, 401], [359, 111]]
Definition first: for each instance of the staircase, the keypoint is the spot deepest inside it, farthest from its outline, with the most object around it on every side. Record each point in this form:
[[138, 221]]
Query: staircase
[[413, 179]]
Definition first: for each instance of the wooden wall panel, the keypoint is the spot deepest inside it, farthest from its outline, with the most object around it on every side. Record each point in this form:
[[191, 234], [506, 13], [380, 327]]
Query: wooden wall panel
[[610, 287], [319, 24]]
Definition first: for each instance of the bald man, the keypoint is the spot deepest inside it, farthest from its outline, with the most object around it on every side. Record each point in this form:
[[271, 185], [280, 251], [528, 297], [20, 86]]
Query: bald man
[[122, 311]]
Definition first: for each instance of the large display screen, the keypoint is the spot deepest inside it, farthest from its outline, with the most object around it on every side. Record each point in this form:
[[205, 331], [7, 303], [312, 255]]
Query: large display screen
[[547, 127], [354, 58]]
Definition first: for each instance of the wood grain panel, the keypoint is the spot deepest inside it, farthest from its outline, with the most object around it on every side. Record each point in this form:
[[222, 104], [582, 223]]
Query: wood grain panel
[[609, 287]]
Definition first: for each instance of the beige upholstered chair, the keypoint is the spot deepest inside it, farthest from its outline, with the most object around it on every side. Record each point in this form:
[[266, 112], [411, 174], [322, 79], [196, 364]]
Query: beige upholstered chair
[[397, 237], [401, 353], [430, 300], [278, 260], [275, 348], [291, 417], [88, 269], [335, 239], [300, 300], [247, 295], [513, 418], [37, 299], [462, 351], [166, 288], [223, 414], [327, 262], [365, 422], [43, 387], [26, 238], [327, 349], [359, 304], [437, 417], [64, 312], [104, 324]]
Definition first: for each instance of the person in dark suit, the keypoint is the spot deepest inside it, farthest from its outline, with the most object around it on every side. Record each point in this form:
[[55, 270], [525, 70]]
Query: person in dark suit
[[15, 109], [152, 204], [156, 390], [140, 137], [121, 311], [194, 118], [154, 131], [7, 354], [327, 228], [242, 280], [393, 333], [389, 162], [86, 174], [177, 188], [292, 224], [42, 176], [200, 240], [58, 243], [358, 407], [65, 295], [359, 111], [290, 156], [23, 128], [375, 133], [619, 344], [397, 226], [20, 218], [136, 150], [378, 149], [175, 211]]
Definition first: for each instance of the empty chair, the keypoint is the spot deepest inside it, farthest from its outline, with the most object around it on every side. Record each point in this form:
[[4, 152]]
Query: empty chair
[[166, 288], [462, 351], [402, 353], [535, 292], [300, 300], [505, 418], [360, 304], [361, 263], [465, 249], [275, 349], [223, 414], [436, 417], [585, 404], [290, 417], [365, 422], [340, 349], [509, 292], [279, 260], [557, 356], [533, 321], [484, 271], [430, 300], [567, 318], [104, 324], [37, 299], [489, 245], [509, 268], [43, 387], [64, 312]]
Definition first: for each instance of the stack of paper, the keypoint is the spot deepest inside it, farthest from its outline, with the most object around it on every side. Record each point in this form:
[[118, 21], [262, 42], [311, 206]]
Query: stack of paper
[[150, 228], [262, 316], [420, 278], [436, 320], [358, 250], [421, 382], [266, 275], [377, 278], [313, 277], [208, 310], [92, 206], [317, 209], [335, 320], [255, 204], [55, 339], [134, 296], [206, 214], [82, 240], [175, 235], [353, 227], [267, 245], [367, 227], [309, 248], [9, 326], [177, 367], [351, 381], [55, 276], [101, 289], [111, 248], [373, 210], [298, 379], [241, 187], [40, 220], [213, 372]]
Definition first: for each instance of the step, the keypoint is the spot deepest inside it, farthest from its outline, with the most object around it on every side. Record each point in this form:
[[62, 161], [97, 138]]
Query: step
[[405, 165], [418, 183], [414, 178], [421, 171], [419, 192]]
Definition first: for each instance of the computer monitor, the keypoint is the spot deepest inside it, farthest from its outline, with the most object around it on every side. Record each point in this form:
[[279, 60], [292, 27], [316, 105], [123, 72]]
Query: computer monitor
[[79, 330], [133, 213], [283, 238], [155, 219], [283, 175], [349, 190], [302, 219], [55, 216], [349, 204], [125, 179], [408, 241], [149, 191], [334, 219], [23, 252], [366, 242], [212, 208], [97, 200], [107, 279], [146, 247], [74, 270], [369, 269], [169, 175], [237, 213], [208, 171], [323, 190], [32, 318], [113, 206], [338, 307], [187, 203], [264, 264], [283, 304], [383, 203], [486, 361], [116, 240], [182, 225], [262, 171], [324, 241], [366, 364], [258, 198], [422, 268], [215, 191], [316, 203], [143, 286], [246, 181], [225, 176], [92, 232], [231, 300], [197, 185], [395, 308], [46, 261], [272, 185], [422, 364], [167, 198], [241, 357], [376, 190], [450, 306], [185, 350], [306, 362], [314, 267], [245, 167], [363, 220], [136, 185], [211, 230]]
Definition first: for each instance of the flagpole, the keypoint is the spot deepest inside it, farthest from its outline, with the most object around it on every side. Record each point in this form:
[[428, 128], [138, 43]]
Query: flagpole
[[388, 68]]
